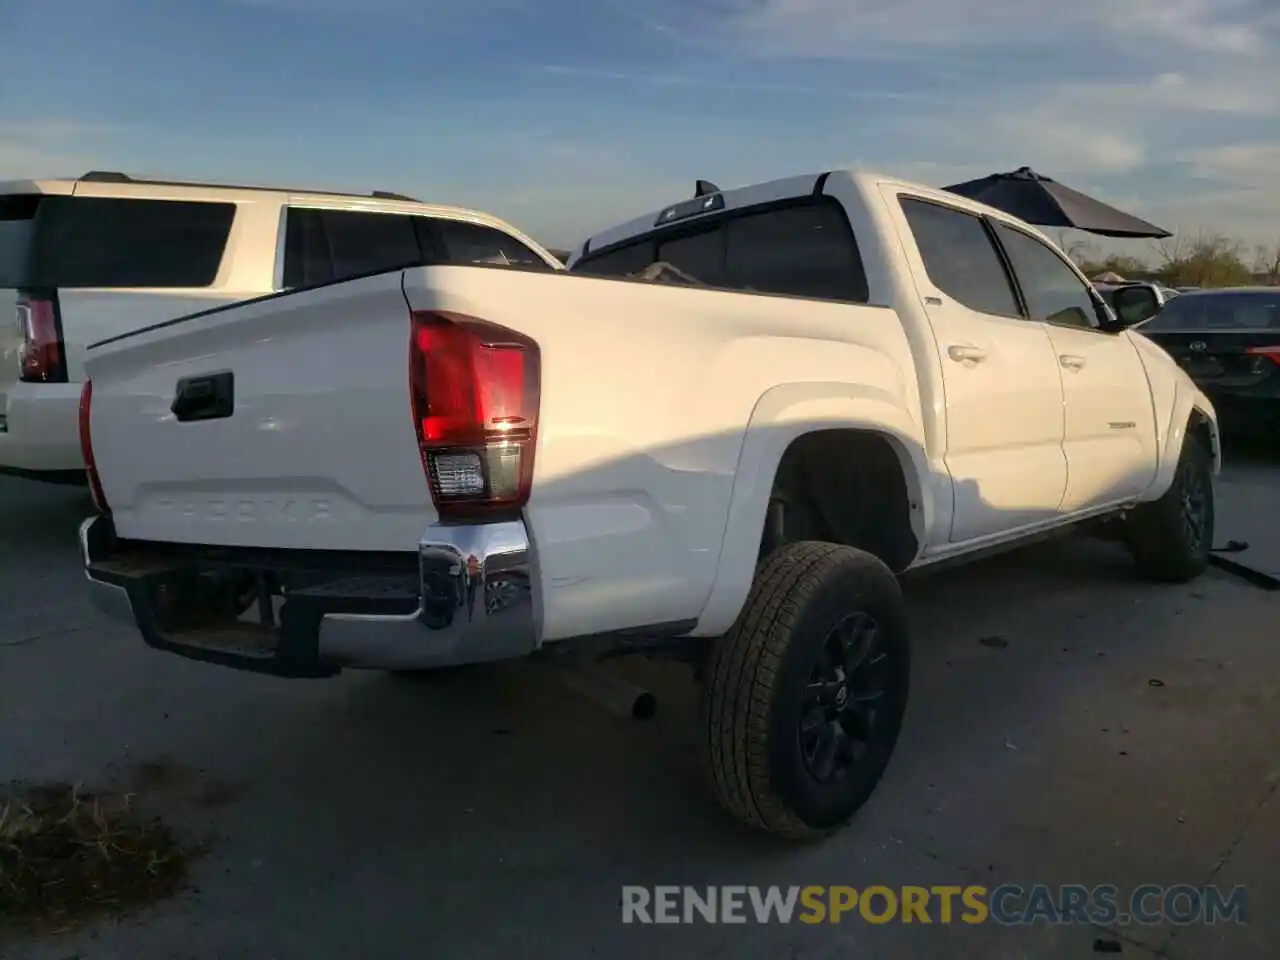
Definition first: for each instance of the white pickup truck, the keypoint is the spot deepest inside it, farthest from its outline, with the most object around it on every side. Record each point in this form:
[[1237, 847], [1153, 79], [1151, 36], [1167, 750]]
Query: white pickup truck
[[452, 464], [107, 253]]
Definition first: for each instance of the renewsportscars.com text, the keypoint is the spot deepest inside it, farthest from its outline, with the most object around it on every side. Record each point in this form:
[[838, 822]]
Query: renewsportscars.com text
[[1007, 904]]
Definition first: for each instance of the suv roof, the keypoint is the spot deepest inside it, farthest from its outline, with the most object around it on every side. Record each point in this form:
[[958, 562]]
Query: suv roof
[[110, 183], [66, 185]]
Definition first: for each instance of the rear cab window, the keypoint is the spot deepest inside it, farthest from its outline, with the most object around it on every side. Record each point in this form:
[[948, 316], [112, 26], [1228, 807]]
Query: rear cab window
[[50, 241], [798, 248], [326, 245]]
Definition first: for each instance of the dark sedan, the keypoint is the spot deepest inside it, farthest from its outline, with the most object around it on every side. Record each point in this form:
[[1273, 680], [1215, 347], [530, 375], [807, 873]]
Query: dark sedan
[[1228, 342]]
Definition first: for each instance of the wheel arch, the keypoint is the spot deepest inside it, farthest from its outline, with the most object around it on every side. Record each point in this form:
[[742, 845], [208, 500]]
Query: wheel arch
[[1191, 414], [782, 420]]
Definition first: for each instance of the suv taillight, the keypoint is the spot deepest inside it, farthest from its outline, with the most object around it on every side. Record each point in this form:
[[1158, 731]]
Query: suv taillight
[[86, 448], [42, 358], [474, 387], [1271, 353]]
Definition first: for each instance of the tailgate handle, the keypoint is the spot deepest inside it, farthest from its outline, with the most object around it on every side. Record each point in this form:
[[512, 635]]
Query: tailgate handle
[[208, 397]]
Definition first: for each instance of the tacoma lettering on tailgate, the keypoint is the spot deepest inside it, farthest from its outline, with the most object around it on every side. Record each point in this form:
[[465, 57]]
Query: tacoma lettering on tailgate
[[244, 510]]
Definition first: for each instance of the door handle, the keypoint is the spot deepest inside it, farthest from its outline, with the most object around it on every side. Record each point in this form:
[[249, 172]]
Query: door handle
[[1071, 361], [963, 352]]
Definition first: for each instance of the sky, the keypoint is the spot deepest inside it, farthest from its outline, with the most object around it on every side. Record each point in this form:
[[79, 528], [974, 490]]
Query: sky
[[566, 118]]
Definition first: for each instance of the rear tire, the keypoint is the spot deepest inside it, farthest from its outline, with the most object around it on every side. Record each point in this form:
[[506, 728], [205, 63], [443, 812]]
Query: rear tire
[[1171, 538], [805, 695]]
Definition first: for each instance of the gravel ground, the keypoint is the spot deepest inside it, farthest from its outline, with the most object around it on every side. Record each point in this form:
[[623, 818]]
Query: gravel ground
[[1069, 724]]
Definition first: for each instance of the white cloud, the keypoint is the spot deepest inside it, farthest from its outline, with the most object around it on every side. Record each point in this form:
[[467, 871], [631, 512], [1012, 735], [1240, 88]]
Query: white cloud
[[399, 9], [1247, 165], [845, 27], [665, 79], [1149, 86]]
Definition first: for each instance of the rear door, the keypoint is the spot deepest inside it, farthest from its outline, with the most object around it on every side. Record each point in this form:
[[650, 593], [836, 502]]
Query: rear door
[[1004, 417]]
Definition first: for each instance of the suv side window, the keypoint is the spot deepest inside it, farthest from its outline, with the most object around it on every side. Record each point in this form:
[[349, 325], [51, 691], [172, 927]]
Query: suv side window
[[960, 258], [324, 246], [1053, 292], [472, 243], [368, 242]]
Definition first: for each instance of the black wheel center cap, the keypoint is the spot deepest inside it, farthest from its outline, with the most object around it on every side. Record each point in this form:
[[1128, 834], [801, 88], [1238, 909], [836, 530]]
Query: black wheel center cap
[[842, 696]]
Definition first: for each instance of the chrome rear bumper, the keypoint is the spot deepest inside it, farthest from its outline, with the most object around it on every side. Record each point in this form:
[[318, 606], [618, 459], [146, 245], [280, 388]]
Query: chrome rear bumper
[[473, 599]]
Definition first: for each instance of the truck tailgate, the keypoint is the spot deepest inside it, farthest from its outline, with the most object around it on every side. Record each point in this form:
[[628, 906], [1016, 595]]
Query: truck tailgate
[[297, 431]]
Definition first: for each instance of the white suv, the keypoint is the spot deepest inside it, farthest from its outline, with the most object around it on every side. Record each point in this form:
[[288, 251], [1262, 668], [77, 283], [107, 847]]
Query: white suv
[[105, 254]]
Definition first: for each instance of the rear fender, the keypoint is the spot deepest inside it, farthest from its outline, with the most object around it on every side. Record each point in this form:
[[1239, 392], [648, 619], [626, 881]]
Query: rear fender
[[783, 414]]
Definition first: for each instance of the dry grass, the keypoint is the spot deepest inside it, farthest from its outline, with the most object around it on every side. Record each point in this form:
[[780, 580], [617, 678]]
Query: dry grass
[[67, 856]]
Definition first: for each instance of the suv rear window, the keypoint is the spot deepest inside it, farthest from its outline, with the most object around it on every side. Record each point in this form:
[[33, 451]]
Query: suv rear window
[[803, 248], [67, 241]]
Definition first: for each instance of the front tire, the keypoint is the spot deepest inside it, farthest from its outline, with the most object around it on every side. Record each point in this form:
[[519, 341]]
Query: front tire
[[1171, 538], [805, 695]]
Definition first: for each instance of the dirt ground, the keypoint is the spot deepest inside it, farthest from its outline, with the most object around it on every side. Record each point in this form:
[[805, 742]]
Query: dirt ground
[[1069, 724]]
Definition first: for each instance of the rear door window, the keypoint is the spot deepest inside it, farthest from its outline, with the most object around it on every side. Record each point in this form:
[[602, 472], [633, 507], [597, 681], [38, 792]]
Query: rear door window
[[325, 246], [803, 249], [960, 258], [477, 245], [67, 241], [363, 243]]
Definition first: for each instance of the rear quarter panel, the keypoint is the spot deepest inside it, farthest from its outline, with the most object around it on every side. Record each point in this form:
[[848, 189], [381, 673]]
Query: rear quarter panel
[[648, 391]]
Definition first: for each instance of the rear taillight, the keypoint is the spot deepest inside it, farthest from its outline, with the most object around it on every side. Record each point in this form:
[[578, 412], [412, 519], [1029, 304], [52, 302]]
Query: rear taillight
[[86, 448], [475, 389], [1271, 353], [42, 358]]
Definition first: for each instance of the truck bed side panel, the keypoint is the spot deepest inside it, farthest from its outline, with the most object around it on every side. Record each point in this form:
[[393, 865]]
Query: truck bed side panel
[[648, 389]]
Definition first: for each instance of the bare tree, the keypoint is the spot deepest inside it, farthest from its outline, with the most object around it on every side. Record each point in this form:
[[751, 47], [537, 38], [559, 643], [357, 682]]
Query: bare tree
[[1266, 263], [1078, 249], [1206, 260]]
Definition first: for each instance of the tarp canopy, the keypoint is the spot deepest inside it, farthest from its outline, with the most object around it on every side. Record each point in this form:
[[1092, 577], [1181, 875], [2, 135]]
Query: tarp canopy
[[1046, 203]]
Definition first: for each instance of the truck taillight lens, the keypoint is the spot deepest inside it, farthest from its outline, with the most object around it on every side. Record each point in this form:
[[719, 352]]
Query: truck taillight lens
[[86, 448], [475, 389], [41, 356]]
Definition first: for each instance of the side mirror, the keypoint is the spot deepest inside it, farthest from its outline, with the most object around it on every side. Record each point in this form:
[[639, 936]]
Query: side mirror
[[1135, 304]]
